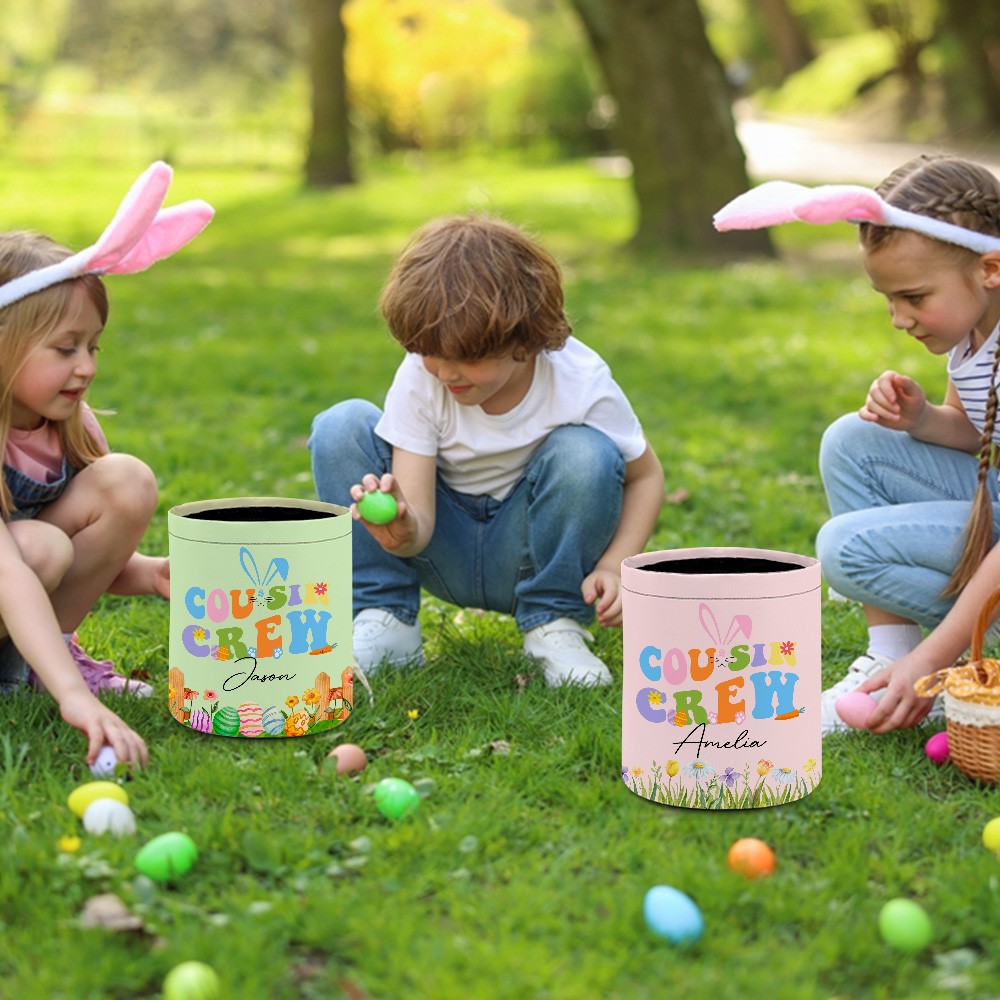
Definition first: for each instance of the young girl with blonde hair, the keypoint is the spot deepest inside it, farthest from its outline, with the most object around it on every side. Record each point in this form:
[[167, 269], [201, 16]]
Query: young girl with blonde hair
[[900, 473], [72, 512]]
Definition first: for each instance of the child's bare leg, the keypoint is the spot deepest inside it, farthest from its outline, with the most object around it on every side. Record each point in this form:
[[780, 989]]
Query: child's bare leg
[[45, 549], [105, 512]]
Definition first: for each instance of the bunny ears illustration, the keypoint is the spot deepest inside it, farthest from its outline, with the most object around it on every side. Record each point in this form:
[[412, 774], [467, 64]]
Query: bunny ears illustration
[[781, 201], [140, 234]]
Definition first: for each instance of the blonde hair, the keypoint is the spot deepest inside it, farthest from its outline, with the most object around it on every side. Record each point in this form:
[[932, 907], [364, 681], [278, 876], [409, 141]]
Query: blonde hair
[[472, 287], [968, 195], [25, 324]]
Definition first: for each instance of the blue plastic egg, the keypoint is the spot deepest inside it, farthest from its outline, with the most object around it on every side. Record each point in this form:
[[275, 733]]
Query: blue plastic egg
[[672, 915]]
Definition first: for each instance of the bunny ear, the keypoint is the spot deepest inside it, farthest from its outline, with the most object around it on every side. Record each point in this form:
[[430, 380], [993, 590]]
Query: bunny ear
[[782, 201], [134, 217], [172, 228]]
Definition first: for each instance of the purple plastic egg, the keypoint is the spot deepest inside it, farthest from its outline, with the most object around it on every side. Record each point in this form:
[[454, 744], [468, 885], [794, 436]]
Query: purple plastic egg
[[937, 748]]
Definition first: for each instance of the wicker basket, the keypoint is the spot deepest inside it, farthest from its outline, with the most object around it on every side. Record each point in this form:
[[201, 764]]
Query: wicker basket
[[972, 704]]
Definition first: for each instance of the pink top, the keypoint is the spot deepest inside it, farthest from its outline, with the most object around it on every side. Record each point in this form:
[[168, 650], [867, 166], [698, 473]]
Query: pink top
[[37, 453]]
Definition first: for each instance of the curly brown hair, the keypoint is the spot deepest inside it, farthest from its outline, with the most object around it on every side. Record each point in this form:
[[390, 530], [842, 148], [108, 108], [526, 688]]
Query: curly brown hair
[[471, 287], [968, 195]]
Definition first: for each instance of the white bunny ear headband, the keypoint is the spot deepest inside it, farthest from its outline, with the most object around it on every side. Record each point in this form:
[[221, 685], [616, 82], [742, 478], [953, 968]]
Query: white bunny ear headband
[[140, 234], [781, 201]]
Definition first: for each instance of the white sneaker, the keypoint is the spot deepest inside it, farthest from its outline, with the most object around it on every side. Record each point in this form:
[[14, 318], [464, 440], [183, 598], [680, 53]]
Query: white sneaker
[[561, 648], [380, 638], [858, 672]]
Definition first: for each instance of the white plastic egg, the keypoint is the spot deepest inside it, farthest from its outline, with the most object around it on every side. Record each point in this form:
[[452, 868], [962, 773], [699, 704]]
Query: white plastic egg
[[109, 816]]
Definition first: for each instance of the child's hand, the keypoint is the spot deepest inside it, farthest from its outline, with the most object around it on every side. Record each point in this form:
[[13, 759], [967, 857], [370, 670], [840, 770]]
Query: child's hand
[[894, 401], [900, 707], [605, 587], [161, 578], [401, 530], [102, 727]]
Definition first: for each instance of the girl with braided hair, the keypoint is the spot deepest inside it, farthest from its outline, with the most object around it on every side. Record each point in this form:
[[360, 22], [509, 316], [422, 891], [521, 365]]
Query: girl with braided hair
[[900, 474]]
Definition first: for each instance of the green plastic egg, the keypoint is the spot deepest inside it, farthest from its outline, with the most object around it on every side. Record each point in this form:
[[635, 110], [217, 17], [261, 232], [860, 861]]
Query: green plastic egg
[[191, 981], [81, 797], [226, 721], [905, 926], [396, 798], [378, 508], [167, 857]]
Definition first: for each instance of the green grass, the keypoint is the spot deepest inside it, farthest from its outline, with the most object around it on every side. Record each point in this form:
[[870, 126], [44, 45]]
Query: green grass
[[524, 871]]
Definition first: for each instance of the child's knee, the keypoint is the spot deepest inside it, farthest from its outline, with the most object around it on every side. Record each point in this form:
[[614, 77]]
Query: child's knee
[[127, 486], [345, 421], [46, 549], [845, 439], [579, 457]]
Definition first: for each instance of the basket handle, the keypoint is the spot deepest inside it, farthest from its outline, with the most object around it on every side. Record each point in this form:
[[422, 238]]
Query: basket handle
[[983, 622]]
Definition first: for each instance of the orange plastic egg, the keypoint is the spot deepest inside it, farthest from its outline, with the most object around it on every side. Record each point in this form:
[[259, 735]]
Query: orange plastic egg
[[349, 758], [751, 858]]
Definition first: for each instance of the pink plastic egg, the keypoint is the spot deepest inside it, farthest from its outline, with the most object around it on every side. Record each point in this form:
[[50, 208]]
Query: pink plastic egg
[[937, 748], [855, 708]]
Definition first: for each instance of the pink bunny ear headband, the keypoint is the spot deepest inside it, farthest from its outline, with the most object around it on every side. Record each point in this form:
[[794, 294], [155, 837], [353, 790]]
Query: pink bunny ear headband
[[140, 234], [782, 201]]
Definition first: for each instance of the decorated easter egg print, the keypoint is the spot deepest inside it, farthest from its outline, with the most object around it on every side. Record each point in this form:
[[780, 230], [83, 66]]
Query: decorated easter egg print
[[104, 763], [250, 719], [109, 816], [201, 721], [378, 508], [937, 748], [751, 858], [672, 915], [81, 797], [297, 724], [167, 857], [226, 721], [855, 708], [191, 981], [396, 798], [273, 721], [905, 926]]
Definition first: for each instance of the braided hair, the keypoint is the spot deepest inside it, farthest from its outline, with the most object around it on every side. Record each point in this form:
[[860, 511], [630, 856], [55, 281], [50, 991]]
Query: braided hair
[[967, 195]]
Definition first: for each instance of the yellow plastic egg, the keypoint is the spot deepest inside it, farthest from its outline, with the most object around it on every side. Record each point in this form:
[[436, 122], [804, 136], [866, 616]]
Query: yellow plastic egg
[[81, 797]]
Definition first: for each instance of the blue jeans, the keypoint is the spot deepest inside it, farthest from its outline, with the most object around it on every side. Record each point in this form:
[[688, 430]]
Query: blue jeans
[[899, 509], [525, 555]]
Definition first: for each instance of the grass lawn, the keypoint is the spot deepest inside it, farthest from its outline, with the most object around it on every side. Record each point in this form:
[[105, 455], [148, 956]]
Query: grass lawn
[[524, 871]]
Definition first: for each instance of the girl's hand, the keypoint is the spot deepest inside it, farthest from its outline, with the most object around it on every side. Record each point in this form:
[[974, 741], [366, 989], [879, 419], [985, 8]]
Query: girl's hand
[[895, 401], [161, 578], [605, 587], [900, 707], [102, 727], [401, 530]]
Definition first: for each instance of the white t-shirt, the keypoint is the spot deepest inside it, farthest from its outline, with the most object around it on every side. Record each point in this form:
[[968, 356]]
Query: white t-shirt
[[482, 453], [970, 374]]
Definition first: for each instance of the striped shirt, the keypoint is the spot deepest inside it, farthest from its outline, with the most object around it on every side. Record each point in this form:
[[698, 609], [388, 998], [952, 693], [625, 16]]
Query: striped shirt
[[970, 374]]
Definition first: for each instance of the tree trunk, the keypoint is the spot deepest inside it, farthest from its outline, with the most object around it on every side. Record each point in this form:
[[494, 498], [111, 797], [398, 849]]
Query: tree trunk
[[328, 161], [674, 122], [788, 39], [972, 79]]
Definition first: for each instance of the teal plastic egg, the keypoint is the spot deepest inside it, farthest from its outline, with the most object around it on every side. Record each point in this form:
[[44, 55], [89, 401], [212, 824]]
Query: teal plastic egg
[[167, 857], [378, 508], [672, 915], [905, 926], [396, 798], [226, 721], [191, 981]]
